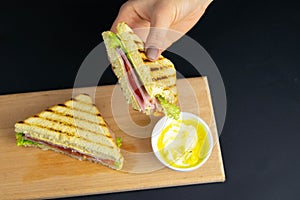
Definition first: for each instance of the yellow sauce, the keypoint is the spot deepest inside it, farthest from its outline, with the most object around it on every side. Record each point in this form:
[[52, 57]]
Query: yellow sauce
[[183, 143]]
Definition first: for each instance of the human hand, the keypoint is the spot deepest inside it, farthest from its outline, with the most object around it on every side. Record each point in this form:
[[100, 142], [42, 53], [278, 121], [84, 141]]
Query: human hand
[[160, 16]]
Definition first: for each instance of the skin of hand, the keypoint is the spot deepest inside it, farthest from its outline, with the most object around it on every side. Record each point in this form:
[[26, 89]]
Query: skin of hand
[[160, 16]]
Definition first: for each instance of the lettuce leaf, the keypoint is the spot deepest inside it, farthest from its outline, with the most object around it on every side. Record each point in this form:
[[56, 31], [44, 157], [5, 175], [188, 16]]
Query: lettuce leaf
[[23, 142], [170, 110], [114, 41], [119, 142]]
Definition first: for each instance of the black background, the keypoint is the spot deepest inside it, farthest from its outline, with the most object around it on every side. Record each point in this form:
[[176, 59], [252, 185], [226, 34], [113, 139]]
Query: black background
[[255, 45]]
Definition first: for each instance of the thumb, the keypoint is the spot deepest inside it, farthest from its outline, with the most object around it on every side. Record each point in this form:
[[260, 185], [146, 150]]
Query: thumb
[[155, 42]]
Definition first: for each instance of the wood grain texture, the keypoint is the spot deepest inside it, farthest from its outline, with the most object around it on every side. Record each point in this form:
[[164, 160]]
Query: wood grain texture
[[28, 173]]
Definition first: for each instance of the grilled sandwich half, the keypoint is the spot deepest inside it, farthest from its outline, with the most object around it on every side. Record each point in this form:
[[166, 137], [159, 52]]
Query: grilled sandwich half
[[149, 86], [75, 128]]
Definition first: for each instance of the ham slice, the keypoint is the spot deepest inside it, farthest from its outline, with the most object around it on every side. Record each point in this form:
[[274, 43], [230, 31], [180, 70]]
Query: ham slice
[[143, 98], [71, 152]]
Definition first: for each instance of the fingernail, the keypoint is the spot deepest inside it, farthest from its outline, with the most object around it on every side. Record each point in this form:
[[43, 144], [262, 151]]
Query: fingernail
[[152, 53]]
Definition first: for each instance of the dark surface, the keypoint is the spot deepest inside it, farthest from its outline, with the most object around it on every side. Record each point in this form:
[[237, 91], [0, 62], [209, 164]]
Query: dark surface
[[256, 47]]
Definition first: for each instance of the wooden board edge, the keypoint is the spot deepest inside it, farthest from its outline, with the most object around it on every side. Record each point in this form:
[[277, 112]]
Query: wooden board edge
[[217, 130]]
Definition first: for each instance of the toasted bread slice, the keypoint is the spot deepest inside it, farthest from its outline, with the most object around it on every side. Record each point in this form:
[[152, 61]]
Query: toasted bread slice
[[118, 69], [158, 77], [76, 128]]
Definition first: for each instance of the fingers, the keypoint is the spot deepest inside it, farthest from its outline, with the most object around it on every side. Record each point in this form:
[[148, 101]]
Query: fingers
[[126, 14], [156, 40], [161, 18], [154, 44]]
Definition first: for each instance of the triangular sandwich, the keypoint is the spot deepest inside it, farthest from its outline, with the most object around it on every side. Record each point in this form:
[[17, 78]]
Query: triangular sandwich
[[149, 86], [75, 128]]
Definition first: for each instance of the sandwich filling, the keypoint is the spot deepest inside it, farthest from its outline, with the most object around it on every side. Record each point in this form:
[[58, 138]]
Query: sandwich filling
[[75, 128], [26, 140], [145, 101], [138, 90]]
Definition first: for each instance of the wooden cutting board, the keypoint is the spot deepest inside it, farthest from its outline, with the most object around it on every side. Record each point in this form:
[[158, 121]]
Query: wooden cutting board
[[27, 173]]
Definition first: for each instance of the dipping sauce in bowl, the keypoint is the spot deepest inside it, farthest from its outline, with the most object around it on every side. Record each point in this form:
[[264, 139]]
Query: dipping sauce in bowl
[[184, 144]]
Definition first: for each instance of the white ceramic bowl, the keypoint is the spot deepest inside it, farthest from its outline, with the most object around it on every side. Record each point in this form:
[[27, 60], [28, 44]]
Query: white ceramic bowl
[[164, 122]]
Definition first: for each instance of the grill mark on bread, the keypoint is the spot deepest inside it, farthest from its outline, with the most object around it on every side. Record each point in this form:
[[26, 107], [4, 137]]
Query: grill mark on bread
[[82, 110], [66, 111], [78, 100], [174, 85], [69, 134], [74, 116], [57, 125], [145, 58], [71, 117], [48, 128], [159, 78], [106, 134], [76, 108], [163, 77], [152, 69]]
